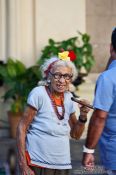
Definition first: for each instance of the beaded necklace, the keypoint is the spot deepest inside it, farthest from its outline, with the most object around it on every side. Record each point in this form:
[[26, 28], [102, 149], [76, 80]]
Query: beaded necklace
[[60, 116]]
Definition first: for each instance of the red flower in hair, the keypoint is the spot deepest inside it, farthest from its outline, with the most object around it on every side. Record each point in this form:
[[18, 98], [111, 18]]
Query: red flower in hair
[[72, 55]]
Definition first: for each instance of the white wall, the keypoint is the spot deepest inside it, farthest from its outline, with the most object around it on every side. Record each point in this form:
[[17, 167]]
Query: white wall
[[28, 24], [58, 19]]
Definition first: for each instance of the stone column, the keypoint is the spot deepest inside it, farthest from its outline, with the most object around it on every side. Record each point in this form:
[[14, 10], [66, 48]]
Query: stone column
[[11, 28], [27, 31], [2, 30], [20, 31]]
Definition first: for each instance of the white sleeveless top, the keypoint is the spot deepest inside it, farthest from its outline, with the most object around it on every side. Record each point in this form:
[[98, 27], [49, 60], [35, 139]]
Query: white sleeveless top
[[47, 140]]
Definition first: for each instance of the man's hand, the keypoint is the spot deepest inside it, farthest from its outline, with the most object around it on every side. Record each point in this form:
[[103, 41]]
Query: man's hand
[[88, 161]]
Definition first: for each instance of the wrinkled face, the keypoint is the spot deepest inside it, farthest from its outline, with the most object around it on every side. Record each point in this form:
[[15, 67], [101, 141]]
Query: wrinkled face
[[60, 78]]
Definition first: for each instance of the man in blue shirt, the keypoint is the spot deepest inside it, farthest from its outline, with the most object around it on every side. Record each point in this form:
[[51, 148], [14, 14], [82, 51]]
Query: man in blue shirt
[[102, 127]]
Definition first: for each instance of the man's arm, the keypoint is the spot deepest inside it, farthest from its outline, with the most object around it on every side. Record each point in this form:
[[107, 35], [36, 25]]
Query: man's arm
[[95, 129]]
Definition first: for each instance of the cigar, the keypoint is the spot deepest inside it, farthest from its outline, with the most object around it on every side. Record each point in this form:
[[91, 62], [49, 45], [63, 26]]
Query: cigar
[[82, 103]]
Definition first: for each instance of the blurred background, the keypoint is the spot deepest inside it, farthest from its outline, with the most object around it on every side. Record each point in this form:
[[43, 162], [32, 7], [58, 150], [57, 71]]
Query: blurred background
[[26, 27]]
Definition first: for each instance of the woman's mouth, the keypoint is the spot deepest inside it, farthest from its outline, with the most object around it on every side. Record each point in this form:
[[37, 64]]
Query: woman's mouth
[[61, 87]]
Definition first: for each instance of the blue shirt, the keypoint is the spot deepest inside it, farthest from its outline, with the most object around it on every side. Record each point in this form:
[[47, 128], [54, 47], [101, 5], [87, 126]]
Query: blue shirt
[[105, 99]]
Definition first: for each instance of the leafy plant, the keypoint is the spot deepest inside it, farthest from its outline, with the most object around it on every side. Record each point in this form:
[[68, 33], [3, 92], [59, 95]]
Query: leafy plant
[[79, 44], [18, 81]]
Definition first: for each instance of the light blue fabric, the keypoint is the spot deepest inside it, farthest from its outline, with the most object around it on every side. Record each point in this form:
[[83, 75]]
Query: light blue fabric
[[105, 99], [48, 137], [110, 172]]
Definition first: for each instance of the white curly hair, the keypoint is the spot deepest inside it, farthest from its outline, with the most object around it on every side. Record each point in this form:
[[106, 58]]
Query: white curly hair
[[55, 61]]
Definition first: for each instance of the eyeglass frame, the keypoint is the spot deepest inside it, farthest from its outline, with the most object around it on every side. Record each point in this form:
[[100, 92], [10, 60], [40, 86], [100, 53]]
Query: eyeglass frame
[[61, 75]]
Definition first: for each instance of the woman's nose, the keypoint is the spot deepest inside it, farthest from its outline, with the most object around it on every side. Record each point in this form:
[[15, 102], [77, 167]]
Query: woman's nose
[[62, 79]]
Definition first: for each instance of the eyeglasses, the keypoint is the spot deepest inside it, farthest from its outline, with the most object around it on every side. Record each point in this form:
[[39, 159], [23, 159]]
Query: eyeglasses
[[58, 76]]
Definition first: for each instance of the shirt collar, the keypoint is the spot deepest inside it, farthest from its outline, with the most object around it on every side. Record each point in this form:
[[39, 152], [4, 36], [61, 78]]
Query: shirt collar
[[113, 64]]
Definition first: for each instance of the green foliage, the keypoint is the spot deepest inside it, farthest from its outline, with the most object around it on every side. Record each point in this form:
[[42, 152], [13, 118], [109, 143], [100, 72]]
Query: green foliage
[[18, 81], [80, 45]]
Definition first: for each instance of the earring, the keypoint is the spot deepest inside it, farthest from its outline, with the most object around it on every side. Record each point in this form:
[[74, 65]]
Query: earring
[[48, 81]]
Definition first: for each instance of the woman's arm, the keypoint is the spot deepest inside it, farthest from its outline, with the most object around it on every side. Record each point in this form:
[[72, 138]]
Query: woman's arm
[[21, 135], [77, 126]]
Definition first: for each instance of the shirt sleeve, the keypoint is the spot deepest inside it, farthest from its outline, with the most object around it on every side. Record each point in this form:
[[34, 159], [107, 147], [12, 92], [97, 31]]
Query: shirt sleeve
[[33, 98], [103, 93]]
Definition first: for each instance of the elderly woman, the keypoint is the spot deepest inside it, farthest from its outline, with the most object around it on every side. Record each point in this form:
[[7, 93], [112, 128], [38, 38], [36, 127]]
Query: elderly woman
[[44, 130]]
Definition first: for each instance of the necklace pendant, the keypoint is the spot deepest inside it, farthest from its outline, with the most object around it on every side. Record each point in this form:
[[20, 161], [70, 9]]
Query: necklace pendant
[[61, 117]]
